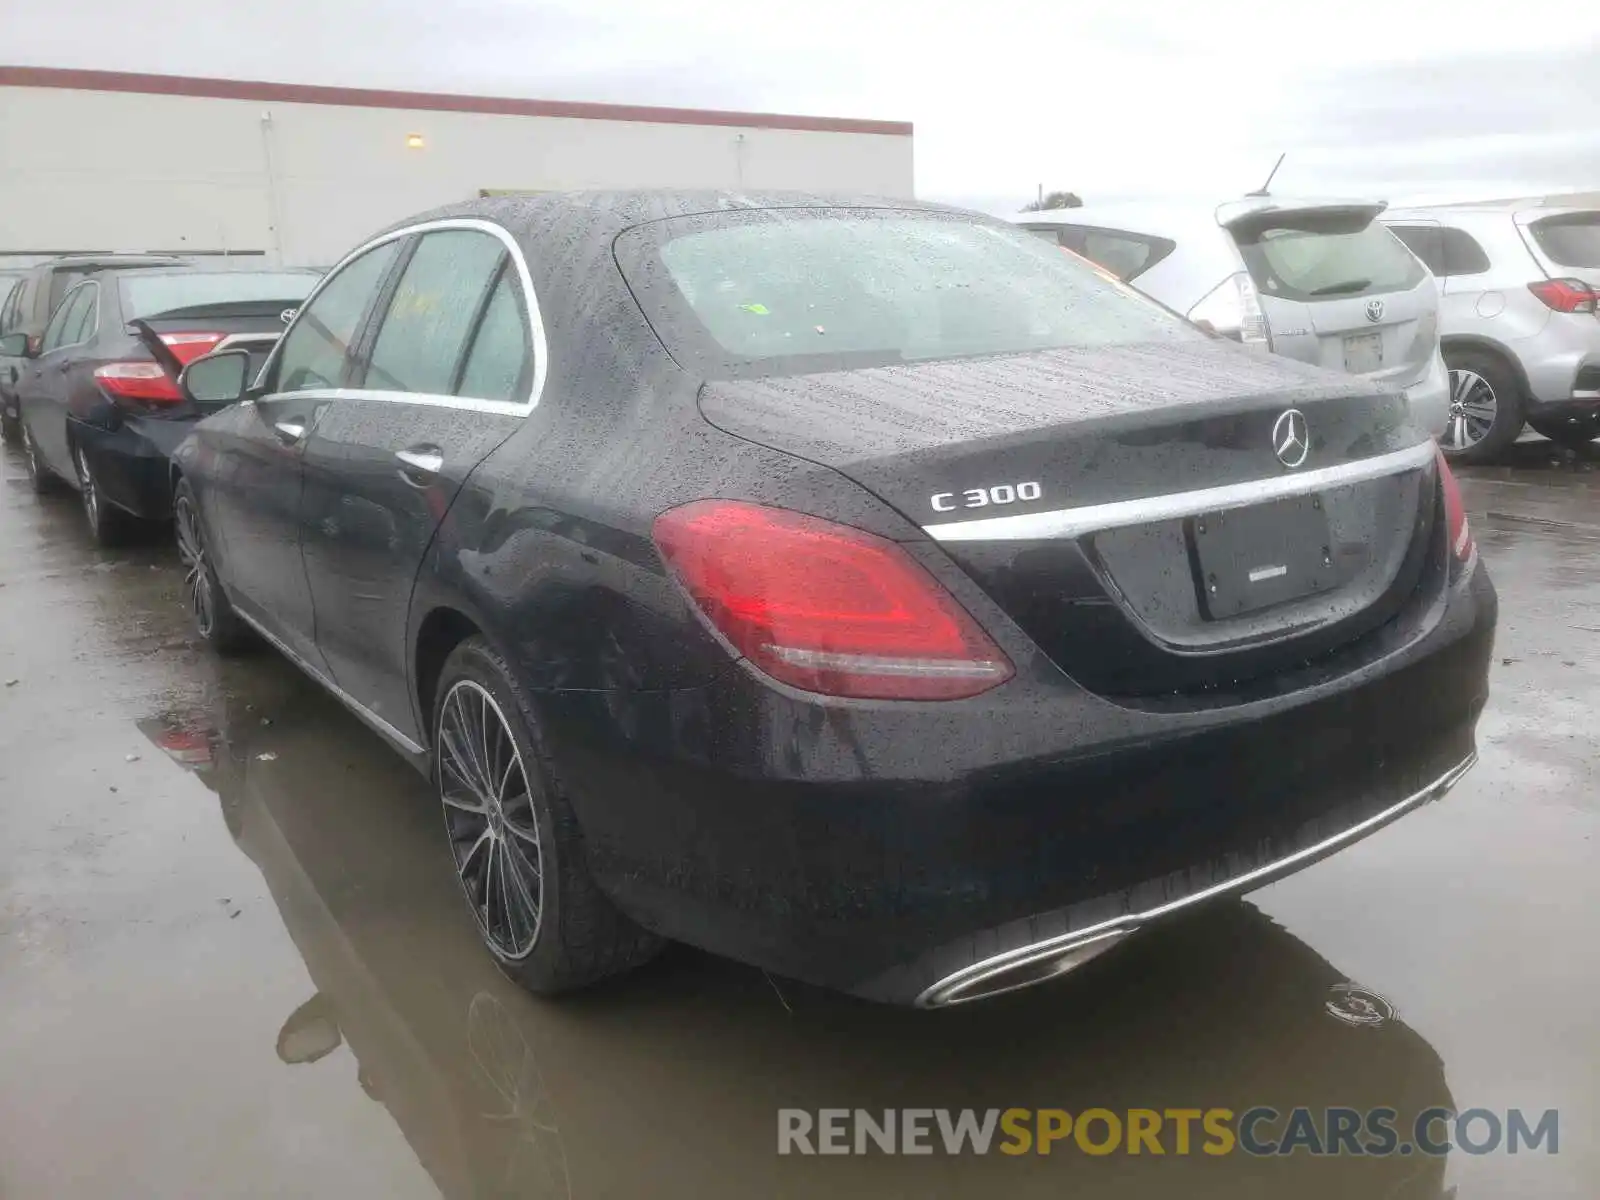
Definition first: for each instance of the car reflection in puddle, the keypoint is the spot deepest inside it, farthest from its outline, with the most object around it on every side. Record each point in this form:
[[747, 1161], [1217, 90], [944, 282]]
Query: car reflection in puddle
[[668, 1082]]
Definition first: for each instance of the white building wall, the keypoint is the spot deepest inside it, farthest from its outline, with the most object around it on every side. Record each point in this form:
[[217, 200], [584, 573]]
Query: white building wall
[[102, 170]]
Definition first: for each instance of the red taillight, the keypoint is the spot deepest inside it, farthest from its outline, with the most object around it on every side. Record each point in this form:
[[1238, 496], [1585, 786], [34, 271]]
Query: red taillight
[[186, 347], [826, 607], [1455, 511], [1565, 295], [144, 382]]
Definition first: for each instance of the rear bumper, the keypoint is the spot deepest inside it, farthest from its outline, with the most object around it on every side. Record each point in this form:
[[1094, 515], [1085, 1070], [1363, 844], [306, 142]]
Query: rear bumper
[[1429, 397], [131, 470], [1562, 365], [901, 851]]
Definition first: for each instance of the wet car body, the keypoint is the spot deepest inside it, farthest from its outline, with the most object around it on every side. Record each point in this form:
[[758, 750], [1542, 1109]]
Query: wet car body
[[99, 401], [1143, 753]]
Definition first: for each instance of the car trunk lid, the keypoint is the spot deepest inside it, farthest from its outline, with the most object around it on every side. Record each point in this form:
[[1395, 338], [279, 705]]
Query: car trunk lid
[[177, 337], [1115, 502]]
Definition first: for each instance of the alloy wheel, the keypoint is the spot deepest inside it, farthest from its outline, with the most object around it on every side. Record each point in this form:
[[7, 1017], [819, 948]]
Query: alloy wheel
[[489, 815], [1473, 406], [196, 571], [91, 499]]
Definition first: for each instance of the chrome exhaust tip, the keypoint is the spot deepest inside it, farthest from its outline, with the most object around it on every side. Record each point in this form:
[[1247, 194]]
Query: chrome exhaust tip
[[996, 977]]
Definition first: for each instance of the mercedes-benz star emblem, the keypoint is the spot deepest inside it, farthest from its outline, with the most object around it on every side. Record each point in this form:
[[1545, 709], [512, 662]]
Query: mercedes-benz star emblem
[[1291, 439], [287, 315], [1375, 310]]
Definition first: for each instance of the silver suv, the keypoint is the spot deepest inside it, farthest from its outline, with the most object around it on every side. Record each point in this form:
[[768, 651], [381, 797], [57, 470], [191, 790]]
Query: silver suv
[[1517, 286], [1321, 281]]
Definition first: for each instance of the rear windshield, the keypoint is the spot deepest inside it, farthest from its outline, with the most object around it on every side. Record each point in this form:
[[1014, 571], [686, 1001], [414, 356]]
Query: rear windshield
[[786, 291], [1316, 257], [1570, 241], [151, 295]]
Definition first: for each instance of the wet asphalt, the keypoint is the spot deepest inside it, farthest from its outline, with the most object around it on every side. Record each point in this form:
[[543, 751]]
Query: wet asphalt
[[233, 961]]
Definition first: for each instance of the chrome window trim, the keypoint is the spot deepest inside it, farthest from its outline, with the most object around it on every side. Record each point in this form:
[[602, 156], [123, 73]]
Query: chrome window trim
[[948, 991], [536, 336], [373, 720], [1096, 518]]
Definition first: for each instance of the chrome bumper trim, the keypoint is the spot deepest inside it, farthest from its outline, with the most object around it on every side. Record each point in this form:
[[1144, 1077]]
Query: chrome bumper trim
[[946, 992], [1095, 518]]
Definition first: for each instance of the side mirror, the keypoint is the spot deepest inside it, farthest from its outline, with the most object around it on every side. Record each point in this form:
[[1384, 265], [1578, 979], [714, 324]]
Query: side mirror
[[15, 345], [216, 379]]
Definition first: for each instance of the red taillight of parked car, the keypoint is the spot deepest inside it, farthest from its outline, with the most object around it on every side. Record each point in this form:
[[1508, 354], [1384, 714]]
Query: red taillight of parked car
[[1455, 511], [137, 383], [186, 347], [826, 607], [1565, 295]]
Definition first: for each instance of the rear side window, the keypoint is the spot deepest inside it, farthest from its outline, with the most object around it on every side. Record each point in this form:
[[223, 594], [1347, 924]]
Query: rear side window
[[83, 322], [1572, 240], [8, 311], [424, 333], [1426, 242], [785, 291], [1126, 255], [316, 348], [1443, 251], [1316, 256], [499, 358], [71, 319]]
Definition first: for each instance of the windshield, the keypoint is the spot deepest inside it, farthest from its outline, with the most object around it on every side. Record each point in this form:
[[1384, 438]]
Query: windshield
[[792, 290], [1315, 258], [149, 295], [1570, 241]]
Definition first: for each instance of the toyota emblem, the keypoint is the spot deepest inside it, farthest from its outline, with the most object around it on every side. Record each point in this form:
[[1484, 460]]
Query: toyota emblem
[[1291, 438], [1375, 309]]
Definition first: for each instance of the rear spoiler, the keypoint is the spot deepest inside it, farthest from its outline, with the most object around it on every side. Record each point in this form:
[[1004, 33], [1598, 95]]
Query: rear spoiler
[[1249, 221]]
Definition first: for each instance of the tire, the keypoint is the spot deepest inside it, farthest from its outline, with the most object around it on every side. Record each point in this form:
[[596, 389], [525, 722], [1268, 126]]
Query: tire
[[10, 430], [213, 616], [568, 935], [1486, 407], [108, 524], [42, 480], [1572, 432]]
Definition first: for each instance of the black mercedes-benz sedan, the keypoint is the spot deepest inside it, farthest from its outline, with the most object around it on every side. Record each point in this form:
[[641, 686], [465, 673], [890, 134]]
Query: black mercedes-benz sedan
[[858, 588]]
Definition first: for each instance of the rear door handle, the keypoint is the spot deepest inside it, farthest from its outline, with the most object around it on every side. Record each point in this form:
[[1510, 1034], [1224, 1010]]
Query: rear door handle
[[420, 464], [290, 432]]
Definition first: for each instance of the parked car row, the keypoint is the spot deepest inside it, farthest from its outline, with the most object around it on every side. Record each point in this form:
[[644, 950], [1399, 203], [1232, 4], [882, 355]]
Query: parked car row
[[91, 392], [1488, 323], [861, 589]]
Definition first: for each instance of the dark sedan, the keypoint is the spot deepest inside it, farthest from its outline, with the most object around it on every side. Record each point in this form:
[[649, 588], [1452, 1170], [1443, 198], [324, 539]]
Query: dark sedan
[[860, 589], [100, 407]]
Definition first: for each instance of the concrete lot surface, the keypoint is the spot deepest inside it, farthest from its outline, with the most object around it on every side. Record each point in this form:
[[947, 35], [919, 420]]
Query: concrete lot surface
[[233, 961]]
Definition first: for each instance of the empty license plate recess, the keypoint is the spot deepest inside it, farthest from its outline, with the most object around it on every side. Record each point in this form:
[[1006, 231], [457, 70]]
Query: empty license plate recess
[[1363, 353], [1251, 558]]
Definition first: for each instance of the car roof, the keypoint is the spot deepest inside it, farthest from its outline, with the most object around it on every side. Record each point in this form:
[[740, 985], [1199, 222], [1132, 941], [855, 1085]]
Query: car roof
[[1499, 208], [610, 212], [107, 261]]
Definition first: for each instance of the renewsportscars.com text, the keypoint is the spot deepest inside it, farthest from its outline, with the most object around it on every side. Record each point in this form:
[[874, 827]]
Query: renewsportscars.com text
[[1258, 1131]]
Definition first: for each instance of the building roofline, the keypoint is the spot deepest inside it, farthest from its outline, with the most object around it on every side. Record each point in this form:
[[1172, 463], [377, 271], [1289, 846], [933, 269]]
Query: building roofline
[[298, 93]]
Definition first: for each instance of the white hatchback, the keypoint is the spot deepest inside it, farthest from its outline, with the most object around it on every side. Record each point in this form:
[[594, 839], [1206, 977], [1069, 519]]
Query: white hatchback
[[1322, 281]]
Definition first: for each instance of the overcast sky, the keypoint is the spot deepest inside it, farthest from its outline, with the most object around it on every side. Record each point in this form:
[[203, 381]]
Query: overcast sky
[[1112, 99]]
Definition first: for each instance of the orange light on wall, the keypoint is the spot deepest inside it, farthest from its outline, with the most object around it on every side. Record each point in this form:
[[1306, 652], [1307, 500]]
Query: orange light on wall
[[415, 141]]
